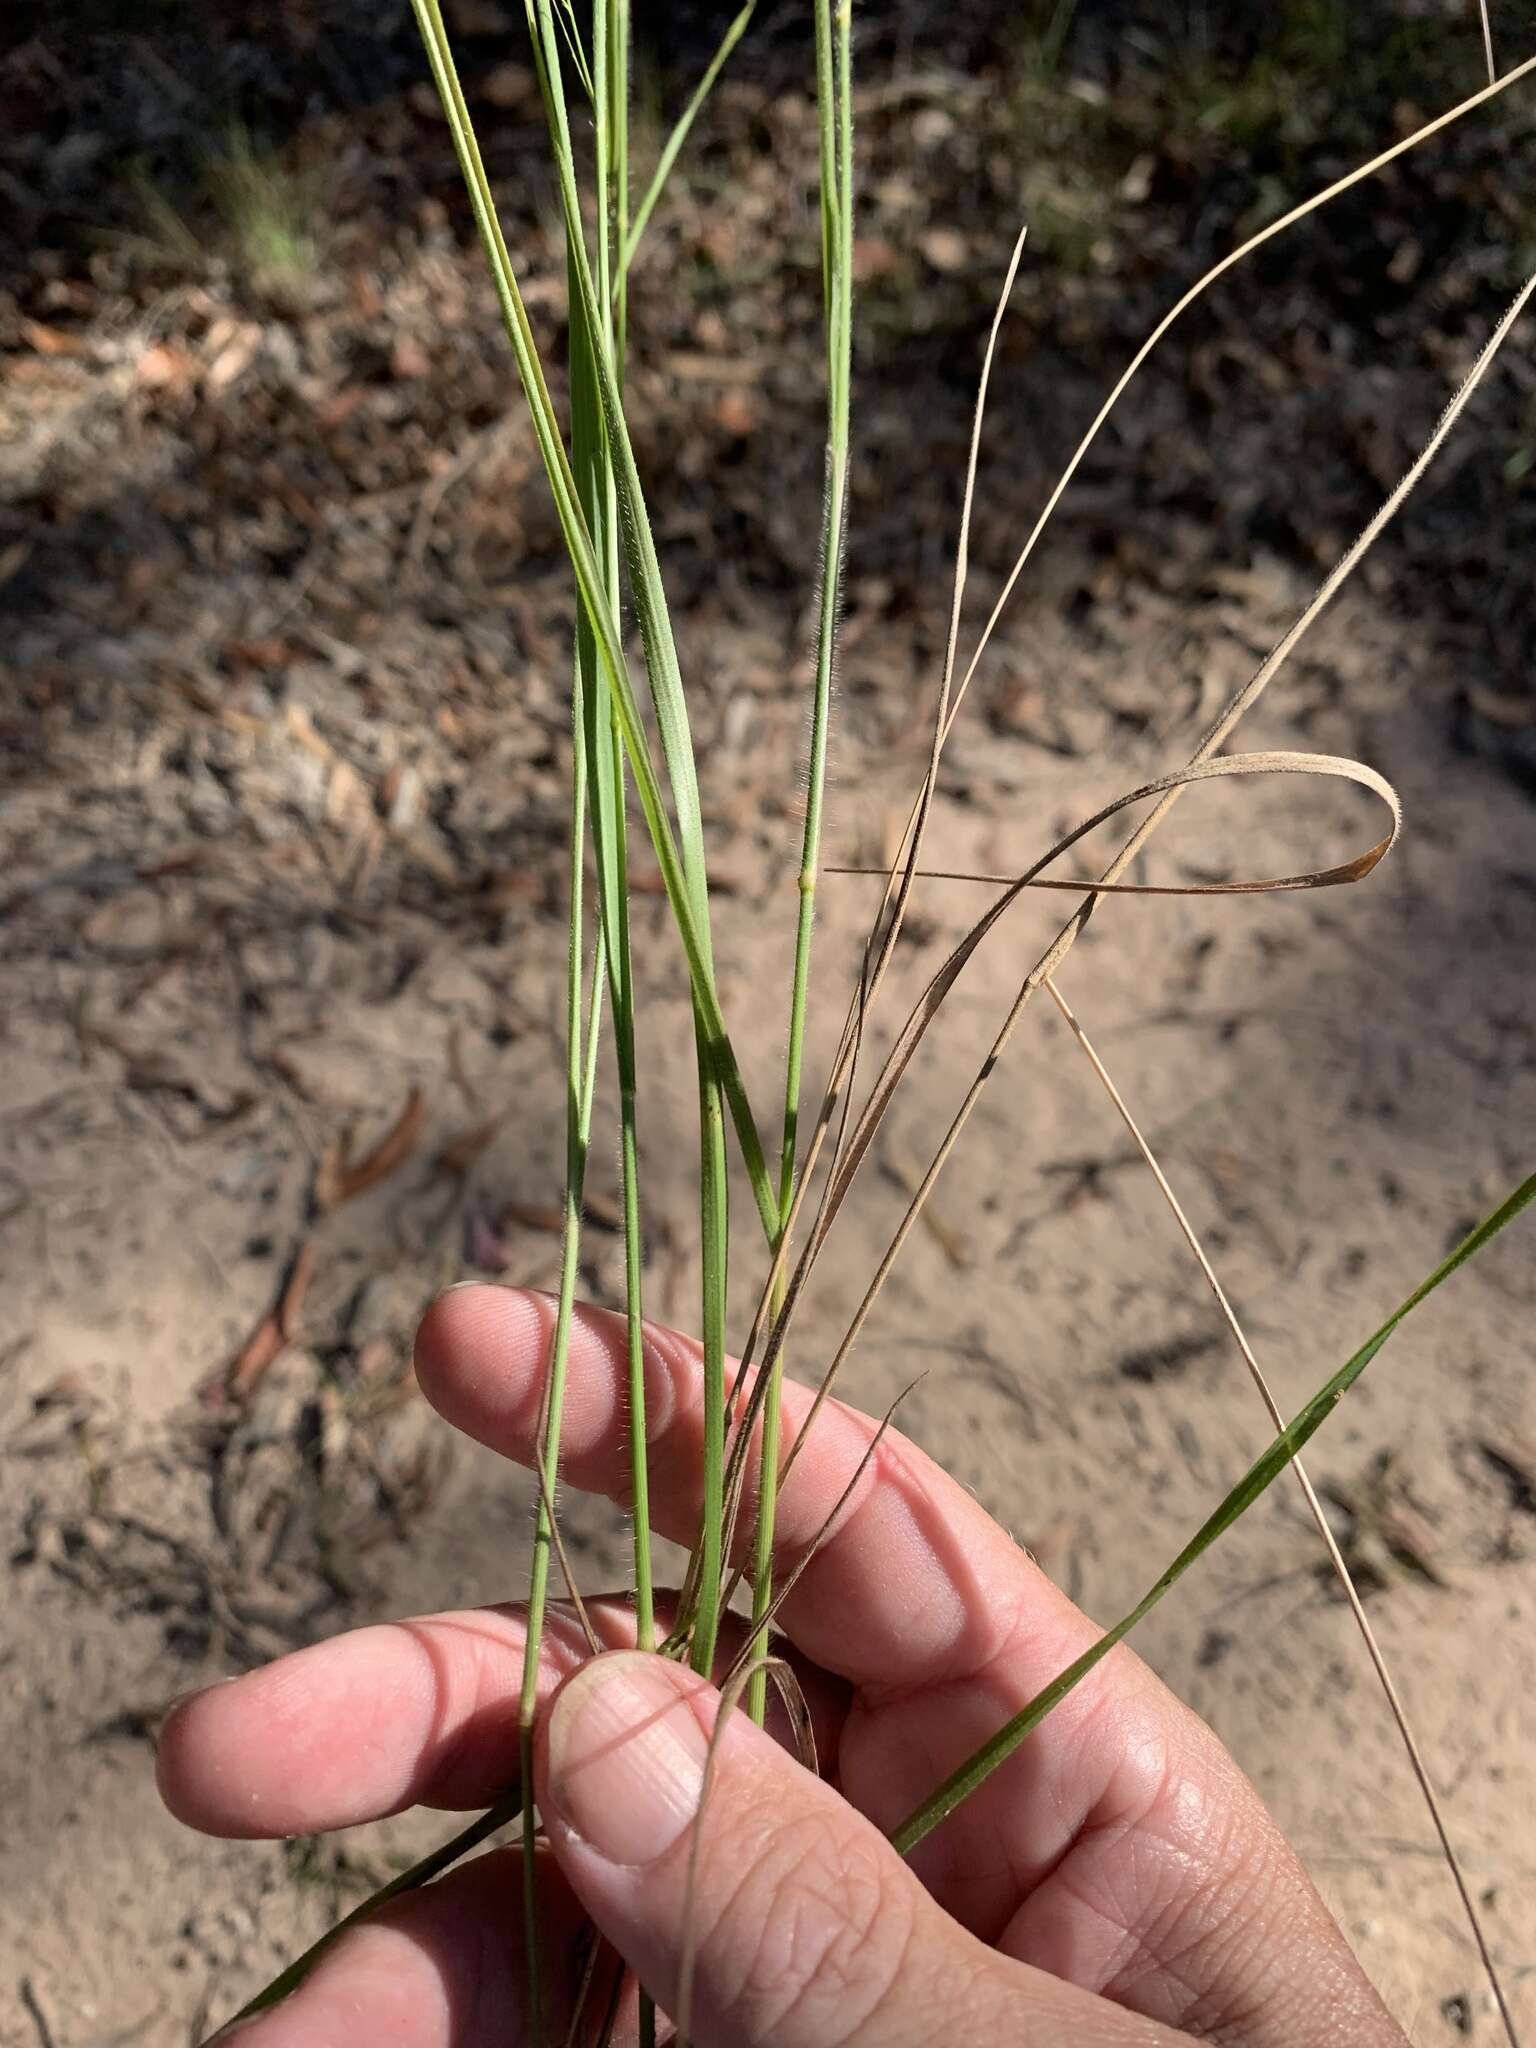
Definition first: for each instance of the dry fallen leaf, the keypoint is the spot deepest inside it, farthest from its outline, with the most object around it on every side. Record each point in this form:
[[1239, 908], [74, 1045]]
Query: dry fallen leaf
[[302, 728], [51, 341], [233, 358], [271, 1337], [13, 559], [695, 366], [270, 653], [736, 413], [345, 796], [515, 885], [338, 1178], [531, 1216], [461, 1152], [163, 368], [595, 1208], [290, 1307], [873, 258]]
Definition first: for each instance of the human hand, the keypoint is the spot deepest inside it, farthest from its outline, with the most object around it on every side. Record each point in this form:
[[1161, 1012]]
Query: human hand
[[1116, 1883]]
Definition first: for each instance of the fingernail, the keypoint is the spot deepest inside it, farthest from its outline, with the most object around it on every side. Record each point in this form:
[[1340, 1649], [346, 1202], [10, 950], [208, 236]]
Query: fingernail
[[627, 1755]]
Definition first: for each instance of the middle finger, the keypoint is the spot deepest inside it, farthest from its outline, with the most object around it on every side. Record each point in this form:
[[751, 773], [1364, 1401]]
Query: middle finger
[[403, 1713]]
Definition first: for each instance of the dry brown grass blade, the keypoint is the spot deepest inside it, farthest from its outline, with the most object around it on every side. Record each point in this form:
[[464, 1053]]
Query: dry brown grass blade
[[878, 951], [1277, 762], [1488, 56], [951, 698], [852, 1149], [1085, 885], [1243, 702], [590, 1951], [290, 1307], [885, 928], [462, 1151], [1315, 1507], [561, 1553]]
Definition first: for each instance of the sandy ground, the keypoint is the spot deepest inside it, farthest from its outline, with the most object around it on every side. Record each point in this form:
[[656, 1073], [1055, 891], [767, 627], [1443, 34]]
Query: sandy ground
[[1336, 1086], [281, 875]]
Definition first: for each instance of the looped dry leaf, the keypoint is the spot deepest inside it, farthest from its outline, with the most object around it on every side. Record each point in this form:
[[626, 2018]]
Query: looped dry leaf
[[851, 1155]]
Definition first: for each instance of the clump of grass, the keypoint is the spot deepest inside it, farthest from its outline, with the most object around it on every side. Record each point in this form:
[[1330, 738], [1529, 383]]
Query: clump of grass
[[267, 210], [1276, 84], [800, 1178], [250, 210]]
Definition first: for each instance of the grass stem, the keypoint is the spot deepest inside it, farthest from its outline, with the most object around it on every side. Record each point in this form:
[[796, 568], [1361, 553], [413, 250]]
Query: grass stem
[[835, 134], [581, 1079]]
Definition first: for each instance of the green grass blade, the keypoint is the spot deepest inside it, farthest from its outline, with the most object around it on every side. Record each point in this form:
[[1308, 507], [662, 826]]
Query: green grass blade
[[588, 309], [570, 29], [605, 762], [591, 590], [835, 131], [835, 121], [679, 135], [974, 1772], [432, 1865], [639, 1471], [581, 1081], [714, 1240], [648, 592], [618, 86], [663, 672]]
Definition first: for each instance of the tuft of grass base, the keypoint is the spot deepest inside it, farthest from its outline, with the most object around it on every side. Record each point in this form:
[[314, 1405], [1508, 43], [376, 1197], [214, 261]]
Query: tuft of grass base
[[251, 211]]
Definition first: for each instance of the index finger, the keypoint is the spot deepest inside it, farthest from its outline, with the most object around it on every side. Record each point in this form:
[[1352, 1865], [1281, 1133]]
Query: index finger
[[915, 1582]]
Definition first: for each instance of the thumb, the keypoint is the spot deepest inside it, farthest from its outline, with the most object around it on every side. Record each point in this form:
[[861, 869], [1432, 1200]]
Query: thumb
[[808, 1929]]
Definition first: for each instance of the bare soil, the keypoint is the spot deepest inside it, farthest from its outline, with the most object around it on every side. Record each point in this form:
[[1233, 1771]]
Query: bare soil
[[285, 735]]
